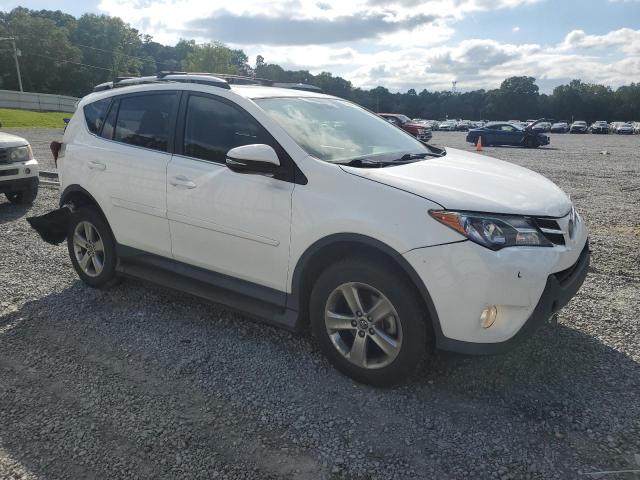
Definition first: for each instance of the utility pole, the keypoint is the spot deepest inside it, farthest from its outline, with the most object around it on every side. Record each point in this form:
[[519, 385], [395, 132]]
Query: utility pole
[[15, 57]]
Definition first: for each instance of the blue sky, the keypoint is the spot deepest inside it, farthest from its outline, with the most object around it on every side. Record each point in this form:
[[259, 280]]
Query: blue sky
[[405, 43]]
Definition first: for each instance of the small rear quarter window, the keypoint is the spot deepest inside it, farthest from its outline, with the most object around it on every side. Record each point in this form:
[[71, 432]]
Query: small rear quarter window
[[94, 114]]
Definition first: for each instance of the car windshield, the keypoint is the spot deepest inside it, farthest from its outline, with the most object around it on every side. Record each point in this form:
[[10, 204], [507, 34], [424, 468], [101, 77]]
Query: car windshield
[[338, 131]]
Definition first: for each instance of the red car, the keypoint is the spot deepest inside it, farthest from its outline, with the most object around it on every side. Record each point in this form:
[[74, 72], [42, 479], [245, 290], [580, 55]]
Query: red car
[[418, 130]]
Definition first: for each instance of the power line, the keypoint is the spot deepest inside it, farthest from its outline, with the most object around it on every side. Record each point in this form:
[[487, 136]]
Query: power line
[[70, 61]]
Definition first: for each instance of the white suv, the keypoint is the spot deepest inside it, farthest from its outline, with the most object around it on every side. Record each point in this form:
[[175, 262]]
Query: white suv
[[305, 209], [18, 169]]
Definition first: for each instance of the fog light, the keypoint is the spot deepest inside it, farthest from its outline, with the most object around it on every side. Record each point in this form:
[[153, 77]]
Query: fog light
[[27, 171], [488, 316]]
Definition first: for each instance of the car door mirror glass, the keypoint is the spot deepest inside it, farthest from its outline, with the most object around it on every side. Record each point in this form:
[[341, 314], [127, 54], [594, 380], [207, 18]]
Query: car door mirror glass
[[256, 158]]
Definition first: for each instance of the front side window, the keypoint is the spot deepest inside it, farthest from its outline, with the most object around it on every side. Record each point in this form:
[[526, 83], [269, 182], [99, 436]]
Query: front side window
[[338, 131], [94, 114], [144, 120], [213, 127]]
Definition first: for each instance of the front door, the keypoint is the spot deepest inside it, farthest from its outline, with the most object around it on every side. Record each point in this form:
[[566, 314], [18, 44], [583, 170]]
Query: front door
[[231, 223]]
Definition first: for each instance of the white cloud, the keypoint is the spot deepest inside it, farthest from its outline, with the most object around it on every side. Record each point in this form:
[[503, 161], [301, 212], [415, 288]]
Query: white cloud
[[396, 43]]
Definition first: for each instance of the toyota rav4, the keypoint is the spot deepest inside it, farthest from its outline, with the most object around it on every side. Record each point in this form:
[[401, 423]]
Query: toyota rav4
[[304, 209]]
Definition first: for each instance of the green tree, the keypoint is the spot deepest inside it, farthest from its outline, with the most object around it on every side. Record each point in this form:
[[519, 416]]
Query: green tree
[[212, 57]]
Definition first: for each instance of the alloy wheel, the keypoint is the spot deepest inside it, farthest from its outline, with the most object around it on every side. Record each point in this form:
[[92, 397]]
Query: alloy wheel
[[363, 325], [88, 248]]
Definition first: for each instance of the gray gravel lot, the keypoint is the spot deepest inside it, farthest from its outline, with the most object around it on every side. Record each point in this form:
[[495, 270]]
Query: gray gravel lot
[[140, 382]]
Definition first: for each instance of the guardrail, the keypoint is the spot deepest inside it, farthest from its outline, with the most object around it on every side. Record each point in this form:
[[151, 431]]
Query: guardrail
[[40, 102]]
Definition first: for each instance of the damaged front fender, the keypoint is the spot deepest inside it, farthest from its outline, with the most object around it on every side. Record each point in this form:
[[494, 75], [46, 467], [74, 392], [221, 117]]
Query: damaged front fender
[[53, 226]]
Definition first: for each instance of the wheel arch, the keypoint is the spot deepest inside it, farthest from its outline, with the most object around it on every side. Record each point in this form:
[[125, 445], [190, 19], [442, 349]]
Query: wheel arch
[[332, 248], [79, 197]]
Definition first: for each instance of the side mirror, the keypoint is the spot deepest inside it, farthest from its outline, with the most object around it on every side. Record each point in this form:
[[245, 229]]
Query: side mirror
[[257, 158]]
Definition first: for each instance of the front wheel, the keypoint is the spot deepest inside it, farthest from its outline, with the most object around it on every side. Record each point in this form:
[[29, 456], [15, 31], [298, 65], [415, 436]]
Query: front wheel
[[92, 247], [530, 143], [23, 197], [368, 321]]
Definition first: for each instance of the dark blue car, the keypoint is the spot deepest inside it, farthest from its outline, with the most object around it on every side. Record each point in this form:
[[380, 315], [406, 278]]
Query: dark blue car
[[498, 133]]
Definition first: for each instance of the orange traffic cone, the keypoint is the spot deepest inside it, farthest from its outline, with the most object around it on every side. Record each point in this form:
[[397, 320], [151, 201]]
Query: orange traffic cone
[[479, 144]]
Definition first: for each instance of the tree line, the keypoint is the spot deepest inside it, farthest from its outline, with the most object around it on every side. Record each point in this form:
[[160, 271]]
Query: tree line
[[66, 55]]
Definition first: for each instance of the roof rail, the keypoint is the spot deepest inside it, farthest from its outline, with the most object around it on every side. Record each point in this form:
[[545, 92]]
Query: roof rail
[[221, 80], [184, 77], [244, 79], [299, 86]]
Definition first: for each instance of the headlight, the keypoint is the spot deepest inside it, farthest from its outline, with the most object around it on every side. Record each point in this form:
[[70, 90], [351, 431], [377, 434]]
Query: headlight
[[493, 231], [20, 154]]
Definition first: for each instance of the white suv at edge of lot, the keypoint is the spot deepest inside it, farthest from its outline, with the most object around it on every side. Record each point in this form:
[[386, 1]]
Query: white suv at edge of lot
[[18, 169], [301, 208]]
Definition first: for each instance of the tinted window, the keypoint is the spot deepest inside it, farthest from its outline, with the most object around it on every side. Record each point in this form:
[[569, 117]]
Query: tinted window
[[94, 114], [110, 122], [144, 120], [212, 128]]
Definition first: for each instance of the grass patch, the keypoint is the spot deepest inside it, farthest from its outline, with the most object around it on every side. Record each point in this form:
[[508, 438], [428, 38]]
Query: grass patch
[[26, 118]]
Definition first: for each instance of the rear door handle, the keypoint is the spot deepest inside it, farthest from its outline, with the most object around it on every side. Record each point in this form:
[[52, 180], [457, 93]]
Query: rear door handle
[[182, 181], [93, 165]]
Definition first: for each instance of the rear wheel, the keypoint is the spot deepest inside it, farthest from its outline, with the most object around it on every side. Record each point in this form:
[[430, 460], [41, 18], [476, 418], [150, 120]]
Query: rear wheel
[[92, 248], [368, 322]]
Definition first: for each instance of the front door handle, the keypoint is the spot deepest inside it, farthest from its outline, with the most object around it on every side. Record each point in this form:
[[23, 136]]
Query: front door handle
[[182, 182], [93, 165]]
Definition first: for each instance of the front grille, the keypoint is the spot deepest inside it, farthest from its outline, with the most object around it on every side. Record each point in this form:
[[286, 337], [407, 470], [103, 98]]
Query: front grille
[[551, 230], [6, 173], [4, 155]]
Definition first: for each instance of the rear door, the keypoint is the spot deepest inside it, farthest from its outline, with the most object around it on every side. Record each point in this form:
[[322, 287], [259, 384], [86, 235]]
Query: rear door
[[134, 168], [230, 223]]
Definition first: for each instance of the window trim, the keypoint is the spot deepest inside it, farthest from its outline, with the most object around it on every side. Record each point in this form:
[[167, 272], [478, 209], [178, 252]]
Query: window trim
[[288, 170]]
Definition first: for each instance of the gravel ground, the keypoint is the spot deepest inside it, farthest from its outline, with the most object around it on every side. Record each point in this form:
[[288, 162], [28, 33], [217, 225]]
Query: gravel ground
[[140, 382]]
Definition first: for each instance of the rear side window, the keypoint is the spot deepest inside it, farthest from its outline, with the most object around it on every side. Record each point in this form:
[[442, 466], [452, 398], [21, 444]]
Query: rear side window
[[212, 128], [94, 114], [144, 120]]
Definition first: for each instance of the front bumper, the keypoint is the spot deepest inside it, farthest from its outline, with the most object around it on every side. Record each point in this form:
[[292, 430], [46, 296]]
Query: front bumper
[[526, 284], [18, 176]]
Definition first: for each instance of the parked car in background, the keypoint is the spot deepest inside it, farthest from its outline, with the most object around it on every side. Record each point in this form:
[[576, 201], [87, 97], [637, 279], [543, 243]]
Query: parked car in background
[[599, 127], [541, 127], [636, 127], [418, 130], [579, 127], [463, 125], [308, 211], [613, 127], [447, 126], [625, 129], [18, 169], [502, 133], [559, 127]]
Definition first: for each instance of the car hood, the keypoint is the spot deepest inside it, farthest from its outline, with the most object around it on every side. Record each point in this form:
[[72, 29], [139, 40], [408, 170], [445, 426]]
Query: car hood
[[468, 181], [8, 140]]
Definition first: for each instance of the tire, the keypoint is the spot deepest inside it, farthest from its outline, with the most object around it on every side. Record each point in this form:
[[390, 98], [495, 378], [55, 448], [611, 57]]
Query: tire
[[530, 143], [483, 139], [23, 197], [404, 324], [93, 249]]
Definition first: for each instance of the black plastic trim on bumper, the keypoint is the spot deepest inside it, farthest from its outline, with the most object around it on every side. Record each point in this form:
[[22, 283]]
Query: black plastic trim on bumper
[[17, 184], [560, 288]]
